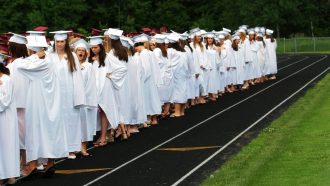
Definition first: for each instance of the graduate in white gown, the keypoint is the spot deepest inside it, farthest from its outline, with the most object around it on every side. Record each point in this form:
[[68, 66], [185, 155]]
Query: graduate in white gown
[[179, 63], [152, 103], [261, 54], [213, 59], [68, 73], [193, 69], [134, 113], [200, 60], [221, 64], [89, 112], [108, 112], [270, 61], [45, 128], [18, 51], [9, 139], [117, 59], [254, 51], [166, 73], [245, 58]]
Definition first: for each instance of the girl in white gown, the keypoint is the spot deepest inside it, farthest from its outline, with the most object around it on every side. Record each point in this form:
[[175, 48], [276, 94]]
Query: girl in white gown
[[89, 112], [68, 73], [9, 140]]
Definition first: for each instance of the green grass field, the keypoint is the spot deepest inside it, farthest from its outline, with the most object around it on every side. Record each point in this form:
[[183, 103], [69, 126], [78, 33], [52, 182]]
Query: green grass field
[[305, 44], [293, 150]]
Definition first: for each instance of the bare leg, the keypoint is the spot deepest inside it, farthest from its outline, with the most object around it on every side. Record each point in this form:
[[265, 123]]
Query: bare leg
[[123, 131]]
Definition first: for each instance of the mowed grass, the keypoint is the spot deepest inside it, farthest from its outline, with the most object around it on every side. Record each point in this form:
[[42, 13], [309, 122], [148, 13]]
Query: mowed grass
[[304, 44], [293, 150]]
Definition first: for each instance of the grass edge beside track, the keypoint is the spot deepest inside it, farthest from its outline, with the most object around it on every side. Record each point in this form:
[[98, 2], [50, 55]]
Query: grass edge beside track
[[293, 150]]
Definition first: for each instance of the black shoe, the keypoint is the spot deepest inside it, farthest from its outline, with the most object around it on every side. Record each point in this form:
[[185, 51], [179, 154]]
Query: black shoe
[[48, 173]]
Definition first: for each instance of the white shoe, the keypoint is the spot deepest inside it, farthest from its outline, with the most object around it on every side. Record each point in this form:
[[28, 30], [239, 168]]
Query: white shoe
[[41, 167], [72, 157]]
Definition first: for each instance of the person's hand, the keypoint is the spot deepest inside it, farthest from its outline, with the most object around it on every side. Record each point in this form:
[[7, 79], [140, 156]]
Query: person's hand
[[41, 54], [108, 75]]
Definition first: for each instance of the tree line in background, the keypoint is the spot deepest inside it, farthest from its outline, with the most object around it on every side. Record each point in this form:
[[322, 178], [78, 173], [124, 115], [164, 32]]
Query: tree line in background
[[285, 17]]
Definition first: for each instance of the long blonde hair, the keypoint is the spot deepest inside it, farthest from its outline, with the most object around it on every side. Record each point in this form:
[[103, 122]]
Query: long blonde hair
[[200, 44]]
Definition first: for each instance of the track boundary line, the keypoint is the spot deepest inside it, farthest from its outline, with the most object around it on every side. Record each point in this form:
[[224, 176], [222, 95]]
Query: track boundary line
[[247, 129], [200, 123]]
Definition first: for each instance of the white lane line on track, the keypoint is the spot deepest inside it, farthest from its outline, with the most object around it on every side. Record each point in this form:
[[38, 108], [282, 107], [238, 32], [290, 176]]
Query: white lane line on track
[[198, 124], [247, 129]]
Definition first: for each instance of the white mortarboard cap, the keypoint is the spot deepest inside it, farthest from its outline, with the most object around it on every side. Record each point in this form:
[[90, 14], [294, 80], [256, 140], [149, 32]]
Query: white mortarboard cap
[[2, 57], [251, 31], [36, 43], [269, 32], [166, 41], [203, 32], [260, 35], [209, 35], [241, 30], [81, 43], [95, 40], [235, 37], [226, 30], [141, 38], [221, 36], [257, 29], [16, 38], [184, 36], [225, 33], [244, 27], [60, 35], [114, 33], [126, 42], [35, 33], [262, 30], [194, 30], [160, 38], [173, 38]]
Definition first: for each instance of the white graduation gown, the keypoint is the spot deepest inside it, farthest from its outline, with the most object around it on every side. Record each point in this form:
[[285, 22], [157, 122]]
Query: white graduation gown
[[200, 58], [245, 55], [152, 101], [240, 60], [72, 98], [105, 93], [45, 128], [230, 60], [261, 56], [166, 74], [270, 61], [89, 112], [213, 58], [118, 70], [9, 140], [21, 84], [222, 70], [256, 67], [193, 70], [179, 64], [137, 113]]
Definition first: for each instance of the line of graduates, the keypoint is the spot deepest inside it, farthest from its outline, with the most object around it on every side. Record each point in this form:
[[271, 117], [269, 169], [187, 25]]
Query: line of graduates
[[55, 97]]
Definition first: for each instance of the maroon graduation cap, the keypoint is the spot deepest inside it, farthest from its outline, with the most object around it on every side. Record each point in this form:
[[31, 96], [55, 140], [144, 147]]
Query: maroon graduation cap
[[40, 28], [95, 32]]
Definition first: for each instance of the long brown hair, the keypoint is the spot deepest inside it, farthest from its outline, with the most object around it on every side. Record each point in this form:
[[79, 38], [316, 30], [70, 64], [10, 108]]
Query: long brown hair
[[271, 38], [200, 44], [69, 55], [176, 46], [17, 50], [102, 56], [119, 50], [161, 46], [207, 43], [4, 69]]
